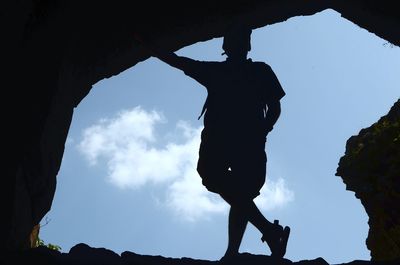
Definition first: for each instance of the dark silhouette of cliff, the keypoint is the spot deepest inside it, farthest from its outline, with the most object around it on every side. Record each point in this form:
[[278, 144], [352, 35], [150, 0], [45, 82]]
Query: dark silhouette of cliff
[[52, 52], [371, 168]]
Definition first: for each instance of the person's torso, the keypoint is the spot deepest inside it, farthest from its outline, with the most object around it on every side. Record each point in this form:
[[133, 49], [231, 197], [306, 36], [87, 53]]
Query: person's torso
[[236, 97]]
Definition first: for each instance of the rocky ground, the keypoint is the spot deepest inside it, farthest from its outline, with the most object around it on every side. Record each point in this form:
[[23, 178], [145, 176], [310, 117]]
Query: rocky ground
[[83, 254]]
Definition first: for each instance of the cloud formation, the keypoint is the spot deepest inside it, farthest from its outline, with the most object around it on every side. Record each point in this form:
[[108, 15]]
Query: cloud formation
[[135, 158], [274, 195]]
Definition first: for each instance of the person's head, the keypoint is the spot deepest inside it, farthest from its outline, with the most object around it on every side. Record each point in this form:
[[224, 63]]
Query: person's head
[[236, 42]]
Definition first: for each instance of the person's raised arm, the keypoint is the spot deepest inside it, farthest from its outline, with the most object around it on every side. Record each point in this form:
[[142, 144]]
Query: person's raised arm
[[168, 57]]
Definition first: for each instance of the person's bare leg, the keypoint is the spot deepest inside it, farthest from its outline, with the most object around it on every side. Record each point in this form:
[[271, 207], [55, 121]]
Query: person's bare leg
[[239, 215], [271, 234], [256, 218], [236, 228], [249, 211]]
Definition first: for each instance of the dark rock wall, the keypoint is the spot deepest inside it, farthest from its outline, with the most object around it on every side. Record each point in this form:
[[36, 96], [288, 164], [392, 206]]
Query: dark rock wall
[[53, 51], [371, 168]]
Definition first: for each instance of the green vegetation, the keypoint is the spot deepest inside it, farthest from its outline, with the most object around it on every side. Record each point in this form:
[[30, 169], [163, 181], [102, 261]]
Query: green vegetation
[[40, 242], [37, 242]]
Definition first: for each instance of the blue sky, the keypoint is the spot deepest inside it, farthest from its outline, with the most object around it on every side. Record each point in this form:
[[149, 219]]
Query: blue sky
[[128, 179]]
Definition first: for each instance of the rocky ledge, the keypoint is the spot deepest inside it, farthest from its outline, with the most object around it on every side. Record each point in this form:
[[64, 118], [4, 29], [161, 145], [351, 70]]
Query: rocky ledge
[[83, 254]]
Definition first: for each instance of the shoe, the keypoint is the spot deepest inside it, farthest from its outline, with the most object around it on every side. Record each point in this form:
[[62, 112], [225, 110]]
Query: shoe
[[277, 239]]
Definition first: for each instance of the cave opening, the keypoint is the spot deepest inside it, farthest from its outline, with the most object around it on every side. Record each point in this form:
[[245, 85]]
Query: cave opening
[[338, 78]]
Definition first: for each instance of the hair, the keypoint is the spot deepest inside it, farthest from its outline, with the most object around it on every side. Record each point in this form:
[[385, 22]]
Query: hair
[[237, 35]]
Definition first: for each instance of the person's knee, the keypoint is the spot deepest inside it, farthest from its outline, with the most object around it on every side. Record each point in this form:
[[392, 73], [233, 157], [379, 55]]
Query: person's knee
[[236, 201], [202, 168], [205, 172]]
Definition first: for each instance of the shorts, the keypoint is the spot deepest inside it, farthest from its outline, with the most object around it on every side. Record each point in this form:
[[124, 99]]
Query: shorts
[[232, 165]]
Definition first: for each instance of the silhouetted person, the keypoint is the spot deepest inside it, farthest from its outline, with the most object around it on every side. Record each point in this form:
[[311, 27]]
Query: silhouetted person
[[242, 106]]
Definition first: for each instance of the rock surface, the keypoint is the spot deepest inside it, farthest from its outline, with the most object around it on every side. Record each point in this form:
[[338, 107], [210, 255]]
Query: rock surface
[[371, 168], [83, 254]]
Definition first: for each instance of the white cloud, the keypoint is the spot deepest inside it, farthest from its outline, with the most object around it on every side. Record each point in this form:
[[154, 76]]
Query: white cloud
[[274, 195], [134, 158], [191, 200]]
